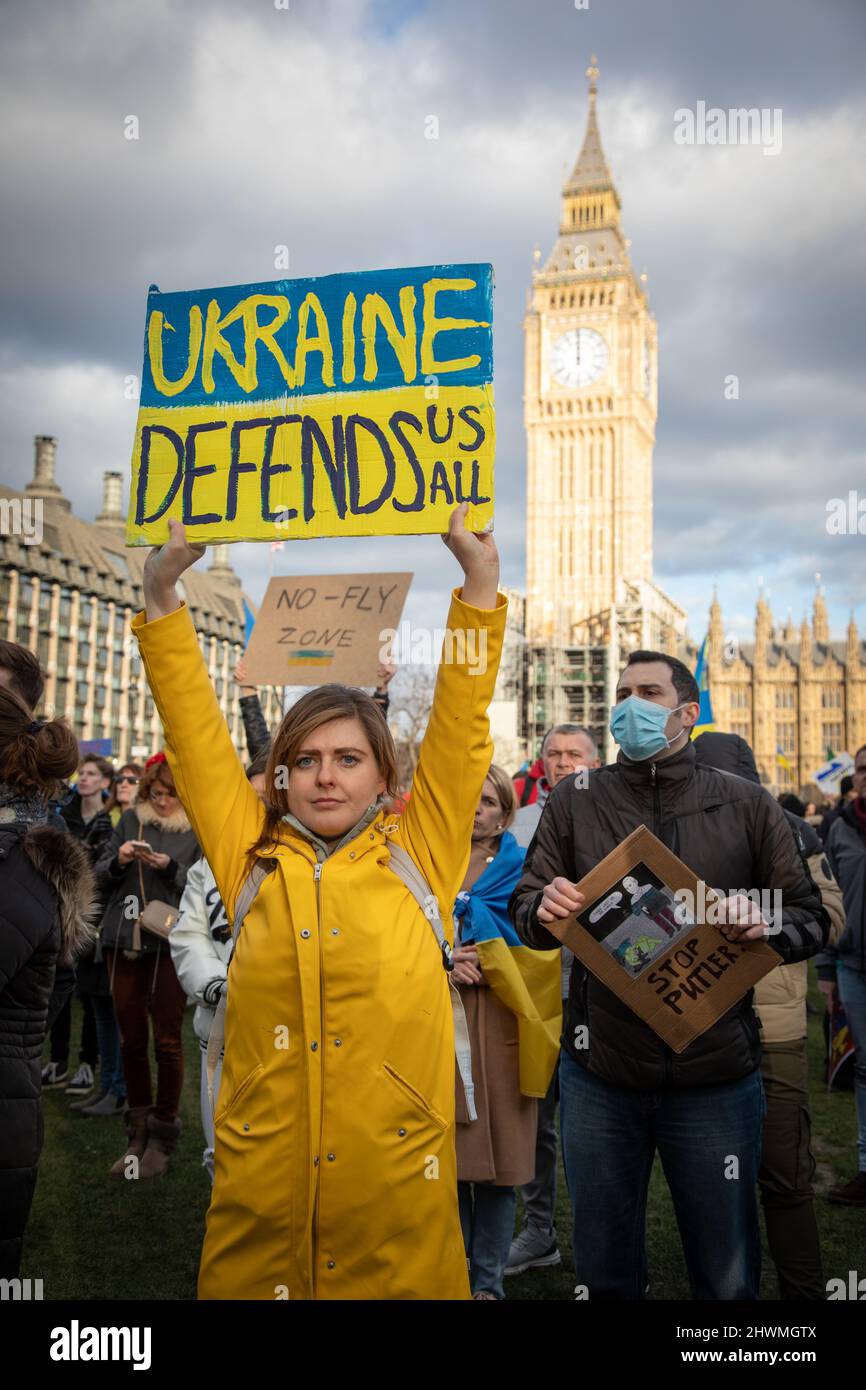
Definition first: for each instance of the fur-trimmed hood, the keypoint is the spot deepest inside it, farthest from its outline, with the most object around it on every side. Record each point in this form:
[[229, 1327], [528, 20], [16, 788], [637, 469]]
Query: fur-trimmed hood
[[147, 814], [66, 865]]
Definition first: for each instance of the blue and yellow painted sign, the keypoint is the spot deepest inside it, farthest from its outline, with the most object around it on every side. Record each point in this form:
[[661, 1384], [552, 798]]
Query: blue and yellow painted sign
[[357, 404]]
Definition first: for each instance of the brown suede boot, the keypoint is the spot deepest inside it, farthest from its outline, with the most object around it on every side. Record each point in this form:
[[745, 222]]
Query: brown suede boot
[[162, 1136], [136, 1130]]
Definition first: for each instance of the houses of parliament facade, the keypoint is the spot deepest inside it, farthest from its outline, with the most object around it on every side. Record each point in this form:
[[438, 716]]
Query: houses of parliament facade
[[590, 406]]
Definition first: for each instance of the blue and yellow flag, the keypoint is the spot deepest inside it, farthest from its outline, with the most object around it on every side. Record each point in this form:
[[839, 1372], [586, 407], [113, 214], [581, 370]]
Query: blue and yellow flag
[[781, 760], [527, 982], [706, 723]]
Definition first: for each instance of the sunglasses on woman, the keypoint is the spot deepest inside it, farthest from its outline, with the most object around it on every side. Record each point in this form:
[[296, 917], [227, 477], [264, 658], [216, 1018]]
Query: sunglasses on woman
[[133, 781]]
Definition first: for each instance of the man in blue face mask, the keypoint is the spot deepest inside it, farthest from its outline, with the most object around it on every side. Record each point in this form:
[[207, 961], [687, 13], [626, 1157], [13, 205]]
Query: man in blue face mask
[[624, 1094]]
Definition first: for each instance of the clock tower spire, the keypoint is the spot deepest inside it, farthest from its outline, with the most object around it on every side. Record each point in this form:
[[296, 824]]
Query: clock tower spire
[[589, 198], [590, 398]]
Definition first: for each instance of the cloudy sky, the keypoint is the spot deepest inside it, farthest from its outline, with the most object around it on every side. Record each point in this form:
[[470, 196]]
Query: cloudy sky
[[305, 126]]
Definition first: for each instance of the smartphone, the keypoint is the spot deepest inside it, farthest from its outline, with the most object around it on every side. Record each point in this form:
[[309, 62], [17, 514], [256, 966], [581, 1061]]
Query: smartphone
[[140, 844]]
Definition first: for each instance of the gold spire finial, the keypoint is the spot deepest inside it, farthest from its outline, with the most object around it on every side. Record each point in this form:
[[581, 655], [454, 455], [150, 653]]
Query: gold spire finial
[[592, 74]]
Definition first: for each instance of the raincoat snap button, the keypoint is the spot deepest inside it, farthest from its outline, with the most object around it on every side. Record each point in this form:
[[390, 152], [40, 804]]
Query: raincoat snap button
[[334, 931], [338, 1042], [331, 1157], [372, 836], [305, 933], [401, 1132], [314, 1047], [332, 1264], [351, 854], [316, 1161], [246, 1129]]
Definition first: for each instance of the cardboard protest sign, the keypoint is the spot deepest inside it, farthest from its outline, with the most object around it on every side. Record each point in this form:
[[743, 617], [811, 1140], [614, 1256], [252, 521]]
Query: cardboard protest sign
[[644, 933], [324, 627], [829, 775], [348, 405]]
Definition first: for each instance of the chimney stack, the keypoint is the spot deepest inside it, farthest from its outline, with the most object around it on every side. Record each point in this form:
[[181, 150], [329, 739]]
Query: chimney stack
[[221, 566], [112, 500], [42, 483]]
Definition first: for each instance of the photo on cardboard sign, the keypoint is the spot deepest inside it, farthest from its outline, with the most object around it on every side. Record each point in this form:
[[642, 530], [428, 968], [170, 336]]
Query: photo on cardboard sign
[[636, 919]]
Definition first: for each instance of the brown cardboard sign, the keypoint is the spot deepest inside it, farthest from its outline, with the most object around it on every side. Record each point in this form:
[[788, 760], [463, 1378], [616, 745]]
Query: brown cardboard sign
[[643, 932], [324, 627]]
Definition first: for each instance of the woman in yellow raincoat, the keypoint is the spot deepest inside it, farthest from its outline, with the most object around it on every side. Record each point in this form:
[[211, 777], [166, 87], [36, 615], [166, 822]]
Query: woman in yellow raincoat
[[335, 1172]]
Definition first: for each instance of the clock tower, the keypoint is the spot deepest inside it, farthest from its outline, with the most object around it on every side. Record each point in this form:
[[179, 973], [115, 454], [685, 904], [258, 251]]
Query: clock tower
[[590, 410]]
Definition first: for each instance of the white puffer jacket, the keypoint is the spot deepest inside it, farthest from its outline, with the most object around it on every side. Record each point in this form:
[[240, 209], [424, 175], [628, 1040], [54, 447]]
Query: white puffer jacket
[[201, 944]]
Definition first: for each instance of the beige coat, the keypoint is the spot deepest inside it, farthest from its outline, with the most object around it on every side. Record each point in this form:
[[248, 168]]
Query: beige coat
[[499, 1146], [780, 998]]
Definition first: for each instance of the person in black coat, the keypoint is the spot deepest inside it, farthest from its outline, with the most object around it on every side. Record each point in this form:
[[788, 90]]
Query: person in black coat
[[146, 861], [47, 901]]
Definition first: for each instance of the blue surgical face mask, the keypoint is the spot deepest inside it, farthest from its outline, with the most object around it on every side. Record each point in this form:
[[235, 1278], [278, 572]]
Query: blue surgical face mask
[[639, 727]]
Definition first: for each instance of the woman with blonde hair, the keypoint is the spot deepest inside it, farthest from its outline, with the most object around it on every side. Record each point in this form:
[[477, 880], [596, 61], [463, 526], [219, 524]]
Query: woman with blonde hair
[[511, 999], [335, 1173]]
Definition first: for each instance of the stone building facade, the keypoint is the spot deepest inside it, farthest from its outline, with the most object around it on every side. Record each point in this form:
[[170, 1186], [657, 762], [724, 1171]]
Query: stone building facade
[[71, 598], [793, 690]]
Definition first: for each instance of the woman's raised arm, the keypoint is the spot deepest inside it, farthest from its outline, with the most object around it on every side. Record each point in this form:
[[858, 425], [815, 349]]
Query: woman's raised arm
[[222, 806], [436, 826]]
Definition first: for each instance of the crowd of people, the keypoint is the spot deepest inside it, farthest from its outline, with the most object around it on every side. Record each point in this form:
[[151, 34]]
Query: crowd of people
[[386, 1019]]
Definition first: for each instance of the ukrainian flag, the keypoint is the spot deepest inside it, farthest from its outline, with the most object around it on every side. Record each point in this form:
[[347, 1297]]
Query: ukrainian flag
[[528, 983], [249, 622], [706, 723], [782, 761]]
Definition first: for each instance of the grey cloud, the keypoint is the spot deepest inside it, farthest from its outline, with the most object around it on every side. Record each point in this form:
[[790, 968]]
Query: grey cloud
[[323, 149]]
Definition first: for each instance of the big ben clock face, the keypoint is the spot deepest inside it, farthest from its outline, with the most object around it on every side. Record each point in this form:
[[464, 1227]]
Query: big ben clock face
[[579, 357]]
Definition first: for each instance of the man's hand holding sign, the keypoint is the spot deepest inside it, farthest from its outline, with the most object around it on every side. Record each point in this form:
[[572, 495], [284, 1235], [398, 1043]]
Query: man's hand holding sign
[[739, 918]]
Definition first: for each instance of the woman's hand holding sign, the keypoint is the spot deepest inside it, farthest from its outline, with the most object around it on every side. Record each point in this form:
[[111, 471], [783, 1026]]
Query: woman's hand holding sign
[[478, 558], [163, 568]]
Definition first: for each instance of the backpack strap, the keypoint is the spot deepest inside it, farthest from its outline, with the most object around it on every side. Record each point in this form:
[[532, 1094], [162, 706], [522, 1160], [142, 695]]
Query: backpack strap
[[404, 866], [528, 784], [408, 872], [216, 1038]]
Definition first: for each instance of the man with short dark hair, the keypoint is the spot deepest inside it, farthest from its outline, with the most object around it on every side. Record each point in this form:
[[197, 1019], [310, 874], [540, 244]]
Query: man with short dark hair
[[623, 1092], [21, 673]]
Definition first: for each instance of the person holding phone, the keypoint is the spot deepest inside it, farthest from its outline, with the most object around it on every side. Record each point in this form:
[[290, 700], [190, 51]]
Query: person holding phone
[[145, 861]]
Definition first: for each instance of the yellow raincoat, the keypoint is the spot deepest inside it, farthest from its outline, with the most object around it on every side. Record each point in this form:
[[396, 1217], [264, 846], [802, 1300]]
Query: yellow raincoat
[[335, 1161]]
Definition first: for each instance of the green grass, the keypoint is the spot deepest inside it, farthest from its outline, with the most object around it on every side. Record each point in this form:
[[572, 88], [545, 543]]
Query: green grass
[[92, 1238]]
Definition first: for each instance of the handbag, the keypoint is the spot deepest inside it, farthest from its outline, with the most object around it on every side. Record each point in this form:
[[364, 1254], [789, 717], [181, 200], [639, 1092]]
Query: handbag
[[156, 917]]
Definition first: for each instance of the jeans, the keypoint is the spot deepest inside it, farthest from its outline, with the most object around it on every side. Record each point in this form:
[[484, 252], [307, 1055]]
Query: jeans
[[852, 992], [487, 1220], [709, 1142], [110, 1061], [62, 1027], [148, 987]]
